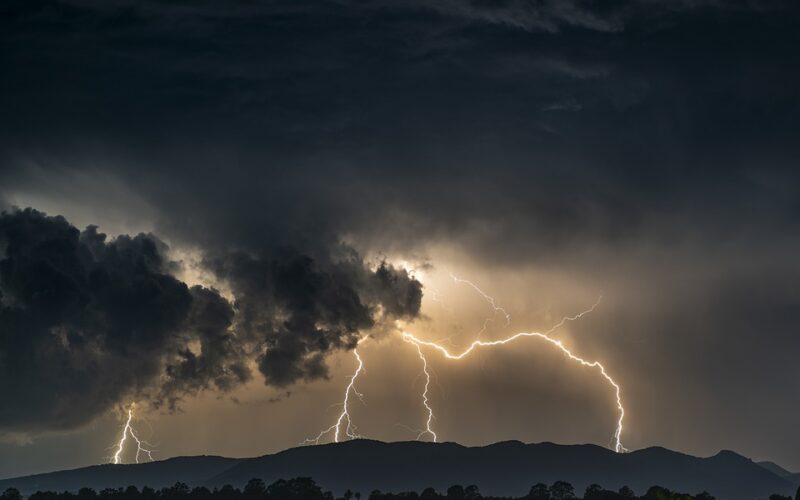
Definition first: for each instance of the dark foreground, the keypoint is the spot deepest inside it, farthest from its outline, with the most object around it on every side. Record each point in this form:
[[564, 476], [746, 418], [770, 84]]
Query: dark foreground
[[307, 489], [502, 470]]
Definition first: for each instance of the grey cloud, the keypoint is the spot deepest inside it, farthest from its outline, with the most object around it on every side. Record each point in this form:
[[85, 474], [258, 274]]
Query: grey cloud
[[296, 309], [221, 362], [253, 127], [87, 323]]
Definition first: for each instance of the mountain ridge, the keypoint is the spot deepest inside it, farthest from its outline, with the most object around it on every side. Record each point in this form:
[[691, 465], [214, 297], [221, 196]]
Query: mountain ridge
[[507, 468]]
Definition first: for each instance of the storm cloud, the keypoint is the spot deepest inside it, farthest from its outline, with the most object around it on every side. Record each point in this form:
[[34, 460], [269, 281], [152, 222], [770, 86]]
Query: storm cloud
[[87, 323], [301, 309], [645, 148], [295, 123]]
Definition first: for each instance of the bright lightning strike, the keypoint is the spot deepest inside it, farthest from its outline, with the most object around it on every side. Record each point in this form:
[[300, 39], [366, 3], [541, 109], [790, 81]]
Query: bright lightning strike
[[128, 429], [429, 421], [344, 416], [479, 343], [408, 337], [350, 428]]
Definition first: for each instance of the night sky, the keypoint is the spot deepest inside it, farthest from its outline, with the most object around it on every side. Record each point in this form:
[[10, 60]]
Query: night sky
[[206, 205]]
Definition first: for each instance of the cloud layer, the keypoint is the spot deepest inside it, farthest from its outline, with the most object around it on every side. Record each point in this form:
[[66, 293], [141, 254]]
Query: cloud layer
[[87, 323], [646, 148]]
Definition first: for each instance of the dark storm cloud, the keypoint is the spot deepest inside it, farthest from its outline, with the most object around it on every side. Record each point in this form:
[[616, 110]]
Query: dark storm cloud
[[299, 309], [221, 362], [649, 144], [86, 322], [306, 120]]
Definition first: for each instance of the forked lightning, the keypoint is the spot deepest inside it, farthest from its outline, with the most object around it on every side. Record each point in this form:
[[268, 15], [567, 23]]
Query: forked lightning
[[429, 420], [543, 336], [350, 428], [128, 429], [419, 344]]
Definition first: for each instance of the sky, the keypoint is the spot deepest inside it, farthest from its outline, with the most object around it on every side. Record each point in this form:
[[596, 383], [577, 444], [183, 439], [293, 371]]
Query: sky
[[207, 206]]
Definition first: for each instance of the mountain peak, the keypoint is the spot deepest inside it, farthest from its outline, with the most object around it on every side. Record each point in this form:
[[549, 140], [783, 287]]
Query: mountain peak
[[506, 468]]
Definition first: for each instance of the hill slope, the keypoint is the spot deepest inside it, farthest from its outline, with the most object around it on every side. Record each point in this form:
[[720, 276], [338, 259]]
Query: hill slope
[[191, 470], [508, 468], [775, 468]]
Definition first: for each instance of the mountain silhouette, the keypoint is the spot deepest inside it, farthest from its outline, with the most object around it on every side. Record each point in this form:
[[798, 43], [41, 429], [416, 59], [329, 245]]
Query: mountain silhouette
[[780, 471], [507, 468], [191, 470], [775, 468]]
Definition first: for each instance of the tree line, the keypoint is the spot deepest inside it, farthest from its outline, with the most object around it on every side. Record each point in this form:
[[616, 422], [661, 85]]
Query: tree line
[[303, 488]]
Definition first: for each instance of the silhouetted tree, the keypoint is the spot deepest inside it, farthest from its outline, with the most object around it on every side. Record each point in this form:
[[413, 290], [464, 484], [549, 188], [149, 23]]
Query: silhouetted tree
[[227, 492], [597, 492], [278, 489], [148, 493], [301, 488], [539, 491], [411, 495], [593, 492], [797, 496], [306, 489], [86, 494], [11, 494], [108, 493], [657, 493], [178, 491], [200, 493], [626, 492], [455, 492], [429, 494], [562, 490], [254, 488], [45, 495]]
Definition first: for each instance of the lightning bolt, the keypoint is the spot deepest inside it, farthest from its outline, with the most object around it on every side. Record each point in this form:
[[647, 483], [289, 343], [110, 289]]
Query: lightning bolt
[[128, 429], [350, 428], [618, 447], [489, 299], [429, 421], [344, 416], [617, 438], [566, 319]]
